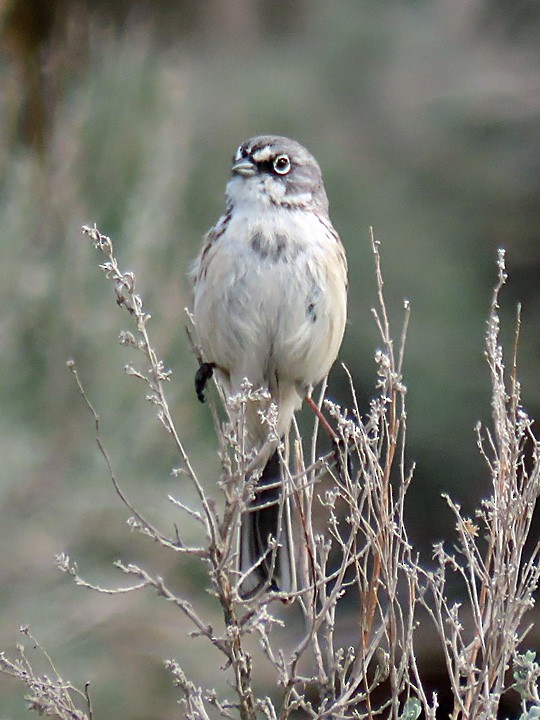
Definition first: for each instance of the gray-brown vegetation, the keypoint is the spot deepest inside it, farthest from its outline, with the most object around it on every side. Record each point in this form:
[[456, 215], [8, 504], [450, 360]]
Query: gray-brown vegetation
[[424, 116]]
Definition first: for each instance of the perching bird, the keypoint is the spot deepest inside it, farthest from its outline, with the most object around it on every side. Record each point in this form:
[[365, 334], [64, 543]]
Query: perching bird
[[270, 297]]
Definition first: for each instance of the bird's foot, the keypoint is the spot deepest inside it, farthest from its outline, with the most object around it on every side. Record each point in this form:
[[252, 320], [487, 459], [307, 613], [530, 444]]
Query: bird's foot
[[202, 376]]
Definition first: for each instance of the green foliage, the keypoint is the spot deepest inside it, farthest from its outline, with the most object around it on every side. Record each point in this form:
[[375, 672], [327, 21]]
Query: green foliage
[[412, 709], [533, 713]]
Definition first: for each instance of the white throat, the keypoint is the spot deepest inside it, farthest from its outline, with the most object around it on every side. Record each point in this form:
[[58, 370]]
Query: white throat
[[261, 193]]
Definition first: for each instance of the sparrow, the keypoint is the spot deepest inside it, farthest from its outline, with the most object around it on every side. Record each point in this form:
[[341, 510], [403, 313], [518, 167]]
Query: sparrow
[[270, 306]]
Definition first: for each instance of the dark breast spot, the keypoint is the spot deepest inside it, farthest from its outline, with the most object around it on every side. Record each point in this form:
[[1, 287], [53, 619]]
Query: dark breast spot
[[311, 313], [275, 248], [259, 245]]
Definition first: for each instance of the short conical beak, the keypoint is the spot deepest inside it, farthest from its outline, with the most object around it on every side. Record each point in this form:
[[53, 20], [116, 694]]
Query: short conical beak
[[244, 167]]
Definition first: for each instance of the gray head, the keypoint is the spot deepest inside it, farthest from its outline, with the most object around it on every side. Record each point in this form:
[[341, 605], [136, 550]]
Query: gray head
[[273, 170]]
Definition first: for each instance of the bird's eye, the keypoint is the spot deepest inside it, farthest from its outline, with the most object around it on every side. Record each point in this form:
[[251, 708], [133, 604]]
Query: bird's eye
[[282, 164]]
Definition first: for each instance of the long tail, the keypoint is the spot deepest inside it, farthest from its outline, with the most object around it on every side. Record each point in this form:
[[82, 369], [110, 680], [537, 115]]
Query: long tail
[[266, 517]]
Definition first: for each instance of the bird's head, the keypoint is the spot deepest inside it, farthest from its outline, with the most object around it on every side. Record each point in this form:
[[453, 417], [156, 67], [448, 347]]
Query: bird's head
[[273, 170]]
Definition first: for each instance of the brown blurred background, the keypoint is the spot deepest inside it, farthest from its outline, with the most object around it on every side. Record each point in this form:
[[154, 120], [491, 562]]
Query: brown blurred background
[[425, 117]]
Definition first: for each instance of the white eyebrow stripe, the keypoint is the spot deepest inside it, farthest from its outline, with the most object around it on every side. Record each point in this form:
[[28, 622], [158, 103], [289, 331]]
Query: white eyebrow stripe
[[263, 154]]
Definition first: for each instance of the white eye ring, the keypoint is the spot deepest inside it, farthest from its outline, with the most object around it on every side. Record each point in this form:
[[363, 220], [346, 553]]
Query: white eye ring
[[282, 164]]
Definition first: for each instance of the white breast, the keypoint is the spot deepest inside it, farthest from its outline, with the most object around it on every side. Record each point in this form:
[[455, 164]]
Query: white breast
[[271, 306]]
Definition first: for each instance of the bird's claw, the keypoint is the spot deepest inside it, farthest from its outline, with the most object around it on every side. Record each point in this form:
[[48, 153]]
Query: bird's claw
[[202, 376]]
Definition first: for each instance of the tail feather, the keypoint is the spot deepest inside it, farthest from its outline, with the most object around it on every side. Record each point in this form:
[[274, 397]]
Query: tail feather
[[266, 517]]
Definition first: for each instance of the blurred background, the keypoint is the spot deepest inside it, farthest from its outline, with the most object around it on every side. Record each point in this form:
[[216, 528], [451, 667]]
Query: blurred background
[[425, 117]]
